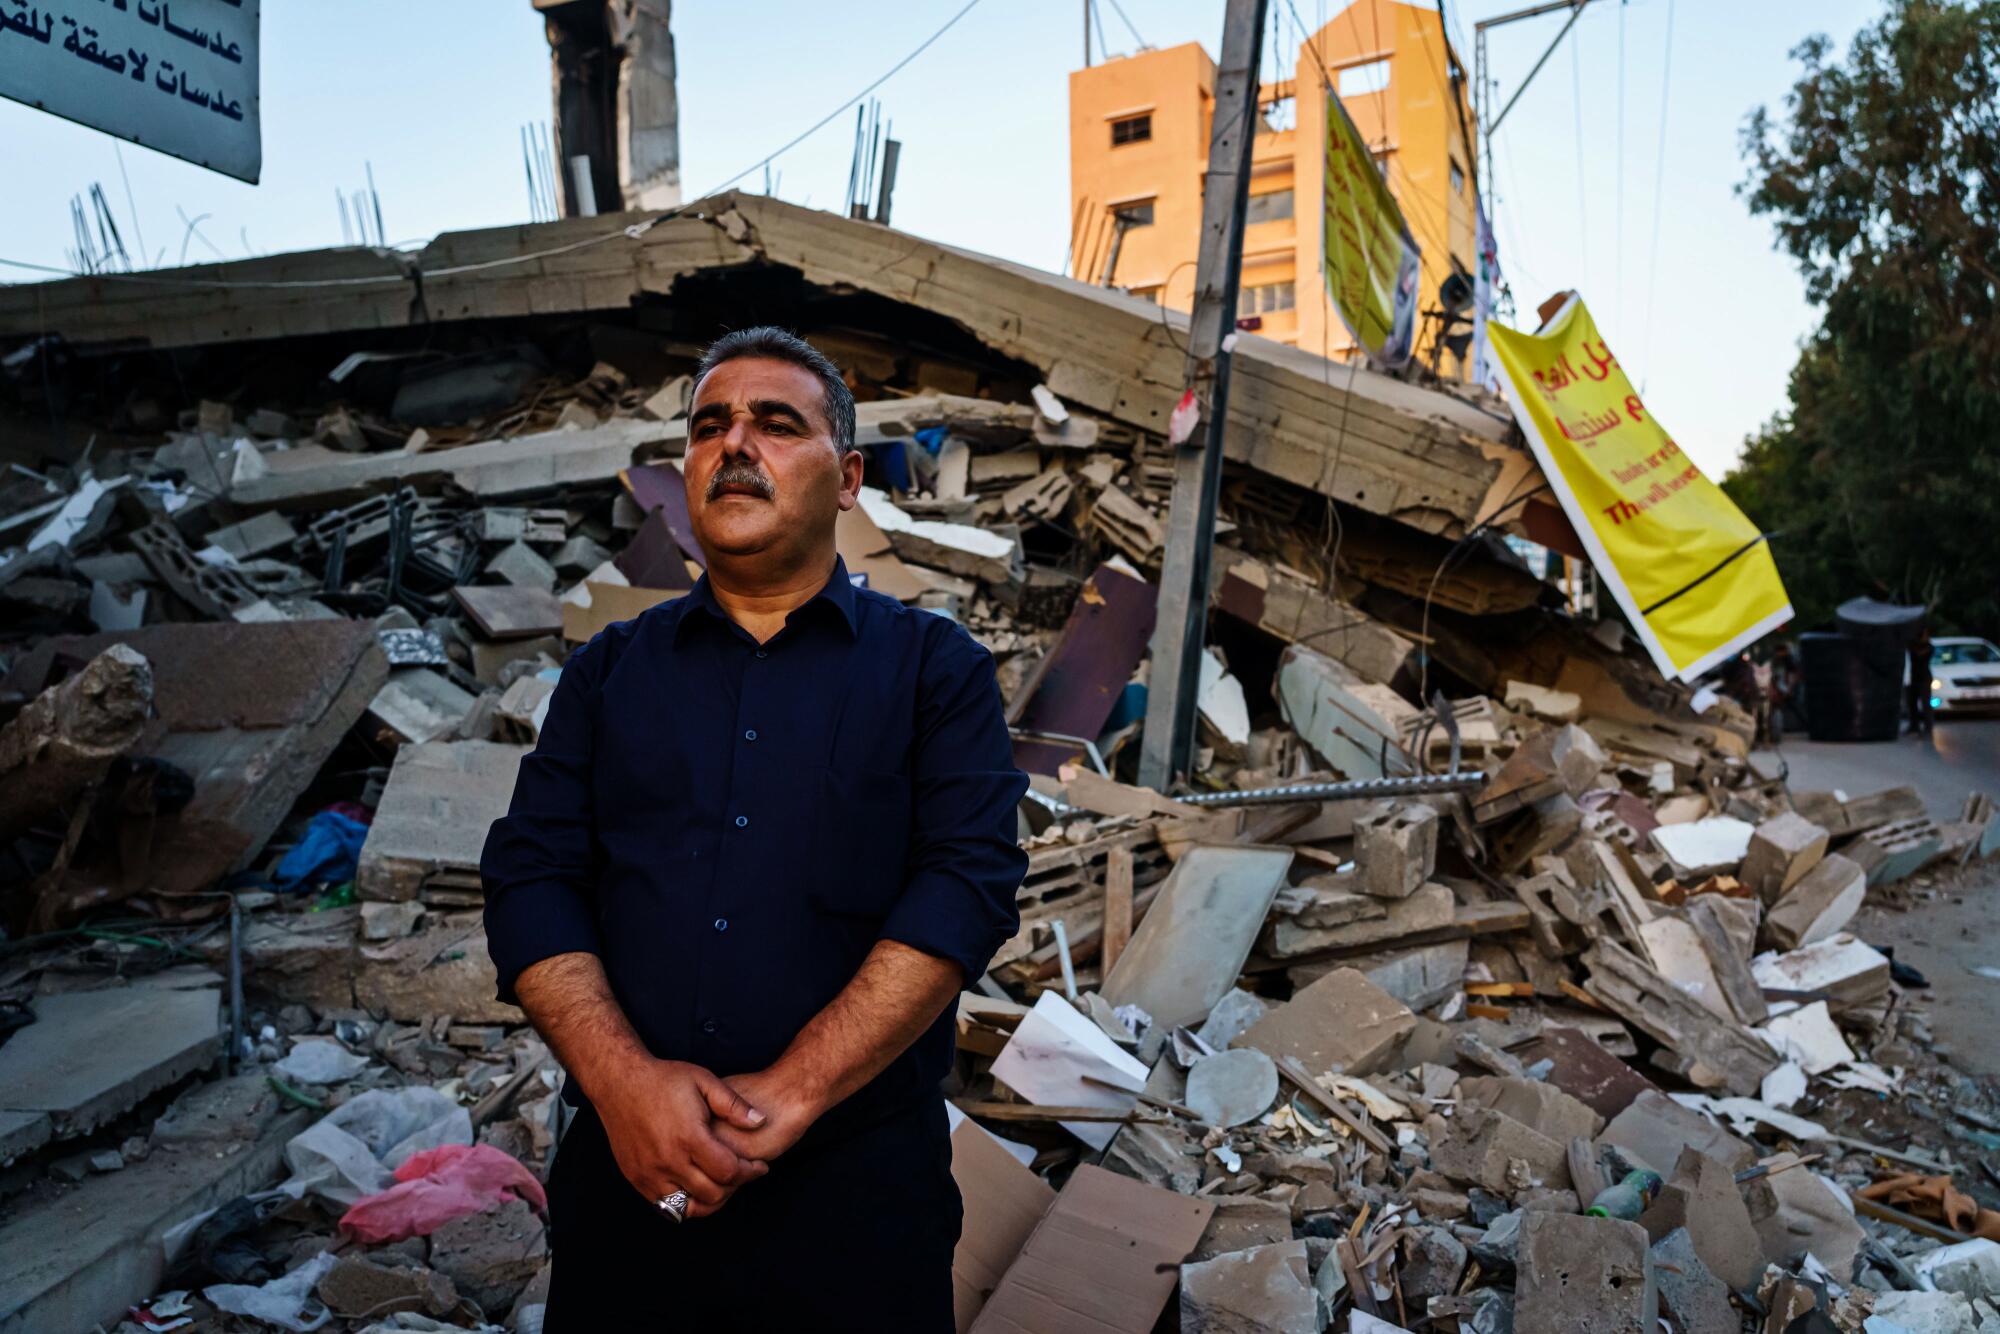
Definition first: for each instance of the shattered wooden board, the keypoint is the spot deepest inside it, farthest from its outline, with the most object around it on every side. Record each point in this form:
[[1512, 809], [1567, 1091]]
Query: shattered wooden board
[[432, 821]]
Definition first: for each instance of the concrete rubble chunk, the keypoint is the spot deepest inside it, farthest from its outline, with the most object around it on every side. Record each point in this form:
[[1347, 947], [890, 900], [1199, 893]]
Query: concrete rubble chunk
[[1707, 1051], [1850, 973], [430, 826], [1584, 1275], [1241, 1222], [356, 1288], [1263, 1290], [1395, 847], [1809, 1216], [1541, 1107], [1343, 1023], [1782, 850], [67, 736], [1818, 906], [1692, 1297], [1654, 1128], [1702, 1196], [1433, 1261], [492, 1254], [1492, 1150]]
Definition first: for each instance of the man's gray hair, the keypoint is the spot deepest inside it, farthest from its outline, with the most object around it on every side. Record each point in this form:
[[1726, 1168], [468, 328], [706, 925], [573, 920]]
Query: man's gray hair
[[782, 345]]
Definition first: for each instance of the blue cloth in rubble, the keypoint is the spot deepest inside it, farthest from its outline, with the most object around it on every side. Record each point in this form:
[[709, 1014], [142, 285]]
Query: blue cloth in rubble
[[329, 853]]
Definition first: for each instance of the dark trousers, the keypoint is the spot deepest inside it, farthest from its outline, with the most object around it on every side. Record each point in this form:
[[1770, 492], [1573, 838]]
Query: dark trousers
[[853, 1235]]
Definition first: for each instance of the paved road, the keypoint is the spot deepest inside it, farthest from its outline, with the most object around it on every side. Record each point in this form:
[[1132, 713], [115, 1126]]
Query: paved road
[[1957, 757]]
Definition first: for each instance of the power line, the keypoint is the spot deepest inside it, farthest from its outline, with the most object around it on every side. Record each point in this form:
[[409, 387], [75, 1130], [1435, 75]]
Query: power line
[[1582, 195], [827, 119], [1120, 9], [632, 232], [1618, 244], [1659, 180]]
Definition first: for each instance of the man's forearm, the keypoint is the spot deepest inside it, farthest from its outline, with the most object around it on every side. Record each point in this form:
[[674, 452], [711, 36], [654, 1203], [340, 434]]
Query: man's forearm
[[894, 997], [569, 1000]]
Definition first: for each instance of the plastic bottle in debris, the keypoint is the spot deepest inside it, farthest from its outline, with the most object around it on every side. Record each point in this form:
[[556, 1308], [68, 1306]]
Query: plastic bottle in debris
[[1628, 1199]]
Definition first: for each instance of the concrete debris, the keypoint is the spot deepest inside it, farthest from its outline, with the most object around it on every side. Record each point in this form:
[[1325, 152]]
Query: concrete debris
[[1262, 1290], [1302, 1064], [1589, 1275]]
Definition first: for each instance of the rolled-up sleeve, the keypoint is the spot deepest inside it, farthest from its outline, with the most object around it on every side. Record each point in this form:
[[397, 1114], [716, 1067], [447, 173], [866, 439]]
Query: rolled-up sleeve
[[540, 867], [965, 863]]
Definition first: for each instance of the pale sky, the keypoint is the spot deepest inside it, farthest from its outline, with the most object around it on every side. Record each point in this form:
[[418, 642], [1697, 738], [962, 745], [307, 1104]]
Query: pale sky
[[433, 95]]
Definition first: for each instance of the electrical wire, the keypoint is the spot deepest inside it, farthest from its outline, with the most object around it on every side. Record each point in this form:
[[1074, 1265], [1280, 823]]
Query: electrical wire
[[1120, 10], [632, 232], [1582, 211], [1659, 181], [1619, 240]]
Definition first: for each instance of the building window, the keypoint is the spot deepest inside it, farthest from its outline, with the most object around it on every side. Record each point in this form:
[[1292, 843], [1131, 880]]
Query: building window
[[1272, 206], [1139, 213], [1264, 299], [1356, 80], [1280, 114], [1151, 294], [1457, 177], [1131, 130]]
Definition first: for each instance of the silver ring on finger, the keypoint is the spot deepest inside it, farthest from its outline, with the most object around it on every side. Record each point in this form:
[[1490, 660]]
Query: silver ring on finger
[[674, 1205]]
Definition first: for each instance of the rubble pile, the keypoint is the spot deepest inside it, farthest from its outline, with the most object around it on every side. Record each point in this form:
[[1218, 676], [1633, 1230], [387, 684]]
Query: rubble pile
[[1578, 1039]]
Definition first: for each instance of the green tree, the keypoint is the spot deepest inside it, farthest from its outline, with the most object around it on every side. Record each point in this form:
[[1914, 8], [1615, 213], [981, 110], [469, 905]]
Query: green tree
[[1882, 179]]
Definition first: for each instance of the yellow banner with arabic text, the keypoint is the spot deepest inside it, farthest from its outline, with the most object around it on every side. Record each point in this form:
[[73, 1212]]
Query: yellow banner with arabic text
[[1370, 261], [1692, 573]]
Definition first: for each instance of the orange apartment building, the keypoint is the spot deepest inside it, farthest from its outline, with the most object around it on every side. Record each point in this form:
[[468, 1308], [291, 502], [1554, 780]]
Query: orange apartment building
[[1139, 128]]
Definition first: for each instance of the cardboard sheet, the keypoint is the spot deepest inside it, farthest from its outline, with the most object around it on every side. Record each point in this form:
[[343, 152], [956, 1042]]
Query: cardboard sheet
[[1103, 1260]]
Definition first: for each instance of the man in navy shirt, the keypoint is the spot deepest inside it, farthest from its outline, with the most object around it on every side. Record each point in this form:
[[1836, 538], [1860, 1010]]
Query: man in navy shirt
[[767, 835]]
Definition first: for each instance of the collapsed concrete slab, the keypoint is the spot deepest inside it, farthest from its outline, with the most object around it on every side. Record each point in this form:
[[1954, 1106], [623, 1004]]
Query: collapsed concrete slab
[[249, 712], [91, 1055]]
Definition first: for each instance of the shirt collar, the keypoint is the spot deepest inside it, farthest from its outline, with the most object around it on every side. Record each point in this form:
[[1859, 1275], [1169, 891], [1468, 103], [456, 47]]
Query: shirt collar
[[838, 592]]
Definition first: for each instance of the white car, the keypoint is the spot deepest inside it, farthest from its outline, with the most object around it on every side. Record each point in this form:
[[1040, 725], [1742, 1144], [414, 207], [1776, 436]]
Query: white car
[[1965, 674]]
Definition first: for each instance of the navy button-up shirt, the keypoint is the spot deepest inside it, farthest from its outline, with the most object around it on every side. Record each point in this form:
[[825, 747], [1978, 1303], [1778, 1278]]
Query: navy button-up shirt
[[732, 826]]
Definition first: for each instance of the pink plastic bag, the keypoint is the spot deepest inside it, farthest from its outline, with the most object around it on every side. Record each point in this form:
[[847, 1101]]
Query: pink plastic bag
[[438, 1185]]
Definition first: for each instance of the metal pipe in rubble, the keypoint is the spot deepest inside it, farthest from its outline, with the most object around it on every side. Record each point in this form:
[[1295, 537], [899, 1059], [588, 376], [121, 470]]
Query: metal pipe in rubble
[[1463, 781]]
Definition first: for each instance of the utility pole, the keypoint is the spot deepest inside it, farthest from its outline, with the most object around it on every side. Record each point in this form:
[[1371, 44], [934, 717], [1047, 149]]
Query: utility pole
[[1086, 34], [1166, 747]]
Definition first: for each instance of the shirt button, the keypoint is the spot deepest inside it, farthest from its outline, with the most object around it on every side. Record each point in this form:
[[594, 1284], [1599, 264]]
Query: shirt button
[[763, 653], [742, 820], [708, 1025], [722, 924], [750, 735]]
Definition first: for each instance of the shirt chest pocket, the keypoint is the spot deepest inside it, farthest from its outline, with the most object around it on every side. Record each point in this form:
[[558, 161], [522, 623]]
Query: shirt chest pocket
[[865, 819]]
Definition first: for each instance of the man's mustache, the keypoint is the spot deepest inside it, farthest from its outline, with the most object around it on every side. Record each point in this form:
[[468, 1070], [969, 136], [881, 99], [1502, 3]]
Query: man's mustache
[[741, 473]]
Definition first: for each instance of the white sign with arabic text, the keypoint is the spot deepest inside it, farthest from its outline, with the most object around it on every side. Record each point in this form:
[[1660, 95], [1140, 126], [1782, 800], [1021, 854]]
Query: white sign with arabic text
[[179, 76]]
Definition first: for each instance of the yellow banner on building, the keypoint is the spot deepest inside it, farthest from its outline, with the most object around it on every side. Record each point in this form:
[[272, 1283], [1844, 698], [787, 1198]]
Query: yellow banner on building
[[1371, 263], [1690, 570]]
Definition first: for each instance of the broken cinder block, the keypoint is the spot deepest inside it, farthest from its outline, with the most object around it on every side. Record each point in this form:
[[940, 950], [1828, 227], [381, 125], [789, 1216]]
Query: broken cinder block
[[1782, 850], [1816, 908], [1395, 848]]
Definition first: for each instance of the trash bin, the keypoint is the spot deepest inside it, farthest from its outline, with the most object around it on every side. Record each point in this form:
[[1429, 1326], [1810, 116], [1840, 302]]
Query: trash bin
[[1853, 686]]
